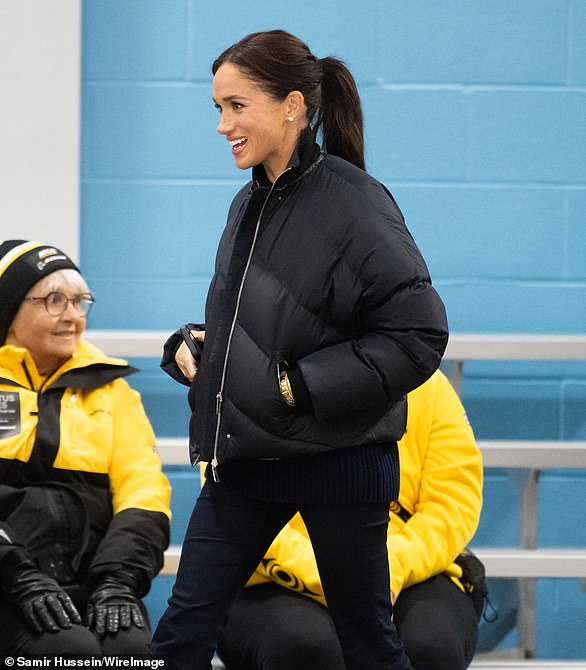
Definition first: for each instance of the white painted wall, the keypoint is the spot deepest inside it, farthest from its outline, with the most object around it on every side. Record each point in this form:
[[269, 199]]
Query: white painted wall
[[39, 121]]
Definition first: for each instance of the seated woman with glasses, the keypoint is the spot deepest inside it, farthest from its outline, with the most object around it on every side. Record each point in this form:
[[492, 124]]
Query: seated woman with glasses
[[84, 505]]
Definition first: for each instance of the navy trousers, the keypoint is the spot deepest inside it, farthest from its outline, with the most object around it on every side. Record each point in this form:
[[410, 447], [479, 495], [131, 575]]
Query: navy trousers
[[227, 536]]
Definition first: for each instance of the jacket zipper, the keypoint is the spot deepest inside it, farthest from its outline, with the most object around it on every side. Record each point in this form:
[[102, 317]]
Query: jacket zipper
[[220, 394]]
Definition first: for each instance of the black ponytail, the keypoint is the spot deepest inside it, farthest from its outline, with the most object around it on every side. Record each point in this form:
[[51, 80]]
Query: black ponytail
[[340, 113]]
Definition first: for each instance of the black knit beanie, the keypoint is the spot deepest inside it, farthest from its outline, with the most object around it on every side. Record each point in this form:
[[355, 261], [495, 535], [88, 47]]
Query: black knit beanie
[[22, 265]]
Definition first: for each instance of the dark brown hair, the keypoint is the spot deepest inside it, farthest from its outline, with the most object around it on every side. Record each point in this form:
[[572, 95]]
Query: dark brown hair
[[279, 63]]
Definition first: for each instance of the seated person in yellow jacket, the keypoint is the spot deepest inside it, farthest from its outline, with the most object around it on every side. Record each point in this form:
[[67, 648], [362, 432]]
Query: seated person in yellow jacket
[[84, 505], [280, 621]]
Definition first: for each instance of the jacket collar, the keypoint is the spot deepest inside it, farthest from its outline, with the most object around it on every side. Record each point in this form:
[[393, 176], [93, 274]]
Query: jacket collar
[[304, 156], [87, 368]]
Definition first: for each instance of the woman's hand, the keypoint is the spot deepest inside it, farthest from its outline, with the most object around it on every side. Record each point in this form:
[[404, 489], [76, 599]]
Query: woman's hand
[[184, 358]]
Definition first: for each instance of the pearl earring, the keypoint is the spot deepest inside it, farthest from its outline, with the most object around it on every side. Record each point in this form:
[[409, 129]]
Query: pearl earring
[[289, 118]]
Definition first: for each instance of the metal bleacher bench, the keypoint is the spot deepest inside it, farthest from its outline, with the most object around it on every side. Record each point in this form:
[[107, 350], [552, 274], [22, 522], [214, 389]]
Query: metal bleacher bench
[[527, 562], [498, 562], [501, 454]]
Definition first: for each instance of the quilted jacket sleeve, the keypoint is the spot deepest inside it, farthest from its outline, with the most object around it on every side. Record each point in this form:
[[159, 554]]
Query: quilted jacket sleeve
[[403, 324], [139, 531]]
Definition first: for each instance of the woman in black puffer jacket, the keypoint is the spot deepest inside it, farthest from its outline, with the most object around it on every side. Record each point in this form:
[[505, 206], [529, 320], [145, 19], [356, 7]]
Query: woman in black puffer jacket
[[320, 318]]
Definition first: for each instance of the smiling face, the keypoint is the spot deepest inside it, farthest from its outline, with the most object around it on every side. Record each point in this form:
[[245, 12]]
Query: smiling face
[[256, 125], [51, 340]]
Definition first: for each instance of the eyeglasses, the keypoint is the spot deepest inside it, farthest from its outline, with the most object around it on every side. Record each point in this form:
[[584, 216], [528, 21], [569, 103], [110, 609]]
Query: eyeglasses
[[56, 303]]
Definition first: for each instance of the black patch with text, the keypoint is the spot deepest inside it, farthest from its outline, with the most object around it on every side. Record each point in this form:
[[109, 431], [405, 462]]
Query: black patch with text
[[9, 414]]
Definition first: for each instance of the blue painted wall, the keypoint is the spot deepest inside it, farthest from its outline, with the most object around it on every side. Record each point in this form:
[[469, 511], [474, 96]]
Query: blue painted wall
[[475, 119]]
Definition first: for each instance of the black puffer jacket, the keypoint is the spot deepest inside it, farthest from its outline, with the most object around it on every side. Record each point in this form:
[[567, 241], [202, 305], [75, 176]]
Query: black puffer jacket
[[320, 271]]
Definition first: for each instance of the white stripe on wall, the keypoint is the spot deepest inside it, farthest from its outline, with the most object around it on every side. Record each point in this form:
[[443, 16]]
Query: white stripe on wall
[[39, 121]]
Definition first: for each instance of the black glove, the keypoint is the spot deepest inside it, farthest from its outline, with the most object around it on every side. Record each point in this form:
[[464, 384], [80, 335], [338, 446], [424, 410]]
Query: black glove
[[112, 606], [44, 604]]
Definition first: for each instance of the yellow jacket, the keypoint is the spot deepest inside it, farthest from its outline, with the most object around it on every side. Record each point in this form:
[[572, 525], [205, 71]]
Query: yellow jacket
[[441, 486], [78, 443]]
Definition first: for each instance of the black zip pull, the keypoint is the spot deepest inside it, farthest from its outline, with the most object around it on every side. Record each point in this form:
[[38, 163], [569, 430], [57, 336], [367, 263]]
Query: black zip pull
[[218, 402]]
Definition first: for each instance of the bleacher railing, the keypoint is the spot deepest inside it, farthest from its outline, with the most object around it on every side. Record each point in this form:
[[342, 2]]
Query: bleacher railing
[[526, 562]]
